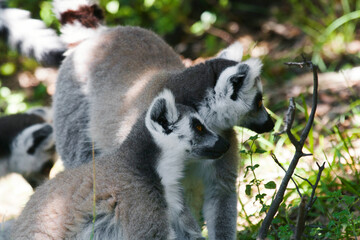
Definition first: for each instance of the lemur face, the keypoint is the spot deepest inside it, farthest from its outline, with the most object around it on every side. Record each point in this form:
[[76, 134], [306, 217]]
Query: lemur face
[[33, 153], [237, 99], [202, 142], [27, 145], [180, 129]]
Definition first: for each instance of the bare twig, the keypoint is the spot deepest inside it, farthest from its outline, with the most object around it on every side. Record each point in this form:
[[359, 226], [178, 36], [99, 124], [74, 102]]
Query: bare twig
[[307, 154], [305, 208], [281, 166], [289, 118], [312, 198], [298, 154], [300, 223], [303, 179]]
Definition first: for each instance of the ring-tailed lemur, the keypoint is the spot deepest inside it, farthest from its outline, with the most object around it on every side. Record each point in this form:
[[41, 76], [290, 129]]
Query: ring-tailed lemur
[[137, 185], [31, 37], [112, 76], [27, 145]]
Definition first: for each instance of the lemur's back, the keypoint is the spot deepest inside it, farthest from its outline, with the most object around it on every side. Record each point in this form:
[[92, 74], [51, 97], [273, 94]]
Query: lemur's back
[[128, 70]]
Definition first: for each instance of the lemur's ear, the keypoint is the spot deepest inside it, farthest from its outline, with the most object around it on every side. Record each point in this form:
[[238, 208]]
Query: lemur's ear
[[42, 136], [162, 113], [233, 52], [43, 112], [240, 77], [255, 66]]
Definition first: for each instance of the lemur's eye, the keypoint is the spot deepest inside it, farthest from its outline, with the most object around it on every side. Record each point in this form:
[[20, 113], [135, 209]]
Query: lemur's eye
[[197, 125], [258, 101]]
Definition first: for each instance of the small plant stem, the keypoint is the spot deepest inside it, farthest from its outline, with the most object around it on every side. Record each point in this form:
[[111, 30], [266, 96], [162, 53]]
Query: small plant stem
[[353, 163], [253, 172], [246, 215]]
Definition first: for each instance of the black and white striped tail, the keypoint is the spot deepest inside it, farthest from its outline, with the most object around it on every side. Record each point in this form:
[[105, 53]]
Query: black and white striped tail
[[31, 37]]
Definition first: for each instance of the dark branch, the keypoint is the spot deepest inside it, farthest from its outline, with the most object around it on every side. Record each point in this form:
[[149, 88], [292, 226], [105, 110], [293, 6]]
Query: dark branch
[[312, 197], [298, 154], [305, 208], [300, 222], [289, 120], [281, 166], [304, 179]]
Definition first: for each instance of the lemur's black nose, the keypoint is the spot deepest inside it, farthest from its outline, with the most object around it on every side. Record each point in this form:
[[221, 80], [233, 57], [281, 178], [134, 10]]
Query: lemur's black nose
[[221, 146], [262, 128], [268, 125]]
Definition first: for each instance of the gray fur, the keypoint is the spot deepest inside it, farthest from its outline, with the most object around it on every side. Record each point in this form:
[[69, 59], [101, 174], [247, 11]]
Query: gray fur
[[132, 194], [71, 106], [5, 229], [122, 69]]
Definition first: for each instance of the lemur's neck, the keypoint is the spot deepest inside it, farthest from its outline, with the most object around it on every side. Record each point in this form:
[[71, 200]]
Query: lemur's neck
[[139, 149]]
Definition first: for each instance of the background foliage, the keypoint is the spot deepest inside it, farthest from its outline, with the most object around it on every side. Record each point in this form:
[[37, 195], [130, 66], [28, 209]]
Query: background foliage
[[325, 31]]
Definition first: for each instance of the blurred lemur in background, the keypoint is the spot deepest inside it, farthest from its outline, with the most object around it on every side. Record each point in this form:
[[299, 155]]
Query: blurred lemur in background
[[26, 139], [27, 145]]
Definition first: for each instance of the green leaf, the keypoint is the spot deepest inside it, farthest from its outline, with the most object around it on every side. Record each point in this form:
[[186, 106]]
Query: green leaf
[[248, 190], [264, 208], [348, 199], [252, 167], [7, 69], [259, 150], [197, 28], [253, 138], [270, 185], [260, 196], [113, 7], [348, 186]]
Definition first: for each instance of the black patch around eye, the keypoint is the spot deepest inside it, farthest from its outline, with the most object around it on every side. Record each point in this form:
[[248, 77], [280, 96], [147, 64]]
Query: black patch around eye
[[39, 136], [257, 99], [195, 124]]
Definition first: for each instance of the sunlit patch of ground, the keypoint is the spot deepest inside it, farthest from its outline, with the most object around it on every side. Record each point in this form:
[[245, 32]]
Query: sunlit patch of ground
[[15, 192]]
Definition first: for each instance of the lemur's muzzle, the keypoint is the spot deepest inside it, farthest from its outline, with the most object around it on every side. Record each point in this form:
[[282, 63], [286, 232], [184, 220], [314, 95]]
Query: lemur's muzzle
[[267, 126], [220, 148]]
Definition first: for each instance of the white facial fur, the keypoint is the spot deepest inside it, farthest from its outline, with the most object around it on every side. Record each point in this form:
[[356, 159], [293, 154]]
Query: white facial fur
[[219, 110], [175, 149], [170, 165], [23, 162]]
